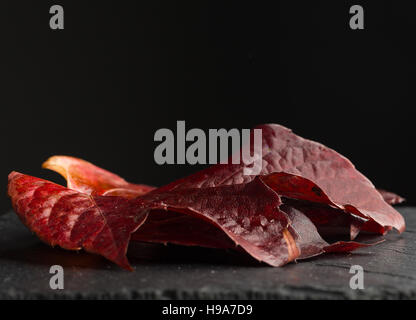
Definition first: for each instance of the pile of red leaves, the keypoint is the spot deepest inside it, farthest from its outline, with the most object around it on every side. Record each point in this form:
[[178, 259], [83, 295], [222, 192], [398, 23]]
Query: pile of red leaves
[[305, 190]]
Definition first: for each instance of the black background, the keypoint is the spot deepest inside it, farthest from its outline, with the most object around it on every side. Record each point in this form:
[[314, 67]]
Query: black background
[[120, 70]]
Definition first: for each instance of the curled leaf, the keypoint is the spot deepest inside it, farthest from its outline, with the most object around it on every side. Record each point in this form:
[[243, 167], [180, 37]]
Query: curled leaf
[[75, 220], [304, 170], [85, 177]]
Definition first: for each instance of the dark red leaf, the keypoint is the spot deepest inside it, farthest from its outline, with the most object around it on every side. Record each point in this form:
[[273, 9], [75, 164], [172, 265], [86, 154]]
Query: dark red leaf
[[304, 170], [74, 220], [247, 213]]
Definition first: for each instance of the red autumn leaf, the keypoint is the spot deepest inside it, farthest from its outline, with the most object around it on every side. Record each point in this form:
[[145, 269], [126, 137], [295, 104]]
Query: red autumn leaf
[[319, 159], [74, 220], [307, 171], [85, 177]]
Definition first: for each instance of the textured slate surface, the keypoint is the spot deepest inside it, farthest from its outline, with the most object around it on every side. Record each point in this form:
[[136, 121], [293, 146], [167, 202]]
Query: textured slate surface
[[174, 272]]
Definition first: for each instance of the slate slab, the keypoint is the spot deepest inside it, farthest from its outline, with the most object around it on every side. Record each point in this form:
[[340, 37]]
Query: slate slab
[[174, 272]]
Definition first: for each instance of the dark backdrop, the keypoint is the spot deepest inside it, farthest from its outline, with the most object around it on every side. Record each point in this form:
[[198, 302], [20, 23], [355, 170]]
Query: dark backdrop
[[120, 70]]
